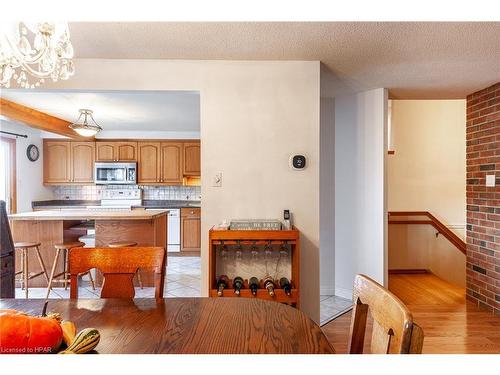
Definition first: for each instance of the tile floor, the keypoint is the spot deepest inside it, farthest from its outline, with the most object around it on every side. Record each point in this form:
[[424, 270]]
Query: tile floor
[[331, 307], [183, 280]]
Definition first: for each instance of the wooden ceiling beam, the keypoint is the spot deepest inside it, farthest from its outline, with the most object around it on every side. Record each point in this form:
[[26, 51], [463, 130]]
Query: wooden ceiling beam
[[36, 119]]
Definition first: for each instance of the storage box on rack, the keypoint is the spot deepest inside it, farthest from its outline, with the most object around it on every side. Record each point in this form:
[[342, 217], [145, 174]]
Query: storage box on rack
[[255, 224]]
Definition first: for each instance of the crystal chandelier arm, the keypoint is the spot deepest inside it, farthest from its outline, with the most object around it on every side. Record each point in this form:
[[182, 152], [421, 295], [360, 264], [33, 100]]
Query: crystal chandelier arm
[[28, 59], [49, 56]]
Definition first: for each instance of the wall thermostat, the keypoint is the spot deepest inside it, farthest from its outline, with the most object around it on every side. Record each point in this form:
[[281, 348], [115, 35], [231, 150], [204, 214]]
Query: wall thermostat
[[297, 162]]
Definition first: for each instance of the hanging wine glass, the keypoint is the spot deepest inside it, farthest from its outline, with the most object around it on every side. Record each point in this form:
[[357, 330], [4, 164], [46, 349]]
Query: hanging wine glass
[[268, 251], [223, 251], [254, 251], [284, 250], [239, 250]]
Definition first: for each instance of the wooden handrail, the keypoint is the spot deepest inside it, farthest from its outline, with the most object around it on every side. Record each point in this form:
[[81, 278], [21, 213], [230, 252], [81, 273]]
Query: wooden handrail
[[438, 225]]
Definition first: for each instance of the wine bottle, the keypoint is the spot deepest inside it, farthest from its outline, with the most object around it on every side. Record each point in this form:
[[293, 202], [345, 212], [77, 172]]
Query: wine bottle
[[253, 283], [269, 285], [237, 285], [286, 286], [222, 283]]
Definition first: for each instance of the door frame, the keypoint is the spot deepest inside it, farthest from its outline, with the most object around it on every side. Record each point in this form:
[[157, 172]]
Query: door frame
[[12, 177]]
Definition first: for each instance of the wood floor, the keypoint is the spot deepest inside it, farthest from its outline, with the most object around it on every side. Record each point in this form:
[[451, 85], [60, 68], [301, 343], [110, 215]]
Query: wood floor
[[450, 323]]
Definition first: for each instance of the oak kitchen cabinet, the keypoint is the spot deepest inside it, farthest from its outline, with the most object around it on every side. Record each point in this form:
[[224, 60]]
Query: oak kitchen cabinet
[[82, 159], [190, 229], [148, 162], [171, 162], [192, 159], [160, 162], [116, 151], [68, 162], [56, 162]]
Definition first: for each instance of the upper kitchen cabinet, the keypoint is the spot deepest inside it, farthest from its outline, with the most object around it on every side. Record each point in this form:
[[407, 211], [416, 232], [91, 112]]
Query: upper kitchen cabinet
[[56, 162], [116, 151], [164, 163], [82, 162], [149, 160], [171, 163], [192, 159], [66, 162]]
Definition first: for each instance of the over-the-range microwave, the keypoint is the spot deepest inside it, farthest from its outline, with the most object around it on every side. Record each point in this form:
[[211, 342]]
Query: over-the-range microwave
[[115, 173]]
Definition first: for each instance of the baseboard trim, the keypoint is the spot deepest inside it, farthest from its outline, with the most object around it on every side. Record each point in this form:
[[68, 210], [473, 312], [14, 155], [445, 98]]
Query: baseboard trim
[[344, 293], [398, 271]]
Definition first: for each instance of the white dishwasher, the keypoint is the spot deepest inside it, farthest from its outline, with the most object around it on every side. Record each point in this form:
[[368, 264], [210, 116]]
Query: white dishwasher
[[174, 230]]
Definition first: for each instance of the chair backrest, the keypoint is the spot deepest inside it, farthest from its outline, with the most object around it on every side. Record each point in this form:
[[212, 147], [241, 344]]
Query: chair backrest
[[118, 266], [394, 331]]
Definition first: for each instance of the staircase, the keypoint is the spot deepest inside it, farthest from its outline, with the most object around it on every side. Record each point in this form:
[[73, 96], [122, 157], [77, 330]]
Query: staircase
[[421, 243]]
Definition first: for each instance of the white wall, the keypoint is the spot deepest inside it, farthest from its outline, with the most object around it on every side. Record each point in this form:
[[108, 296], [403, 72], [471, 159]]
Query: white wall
[[417, 247], [29, 175], [427, 171], [360, 202], [327, 196], [254, 114]]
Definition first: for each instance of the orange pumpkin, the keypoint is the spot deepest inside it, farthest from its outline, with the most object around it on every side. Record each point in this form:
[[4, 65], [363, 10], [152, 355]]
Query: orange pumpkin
[[24, 334]]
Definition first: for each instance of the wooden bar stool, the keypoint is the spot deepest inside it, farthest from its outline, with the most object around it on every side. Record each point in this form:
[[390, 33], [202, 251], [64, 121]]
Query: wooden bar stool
[[64, 248], [127, 244], [24, 248]]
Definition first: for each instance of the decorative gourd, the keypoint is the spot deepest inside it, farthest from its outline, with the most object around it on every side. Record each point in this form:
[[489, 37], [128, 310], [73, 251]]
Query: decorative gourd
[[69, 331], [21, 333], [86, 340]]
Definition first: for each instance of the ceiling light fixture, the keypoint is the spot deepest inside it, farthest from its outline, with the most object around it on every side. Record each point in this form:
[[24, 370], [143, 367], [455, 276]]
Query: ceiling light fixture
[[83, 127], [48, 55]]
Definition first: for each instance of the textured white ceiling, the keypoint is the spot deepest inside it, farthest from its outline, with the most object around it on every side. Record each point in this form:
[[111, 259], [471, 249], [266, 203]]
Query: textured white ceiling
[[167, 111], [412, 59]]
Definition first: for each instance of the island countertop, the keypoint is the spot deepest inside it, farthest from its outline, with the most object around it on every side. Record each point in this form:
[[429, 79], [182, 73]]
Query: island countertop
[[144, 227], [84, 214]]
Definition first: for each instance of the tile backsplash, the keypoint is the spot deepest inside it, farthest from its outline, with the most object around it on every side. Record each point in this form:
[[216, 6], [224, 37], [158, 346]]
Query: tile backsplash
[[94, 192]]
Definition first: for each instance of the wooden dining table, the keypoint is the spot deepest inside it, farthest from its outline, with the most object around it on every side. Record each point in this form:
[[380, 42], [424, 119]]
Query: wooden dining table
[[188, 325]]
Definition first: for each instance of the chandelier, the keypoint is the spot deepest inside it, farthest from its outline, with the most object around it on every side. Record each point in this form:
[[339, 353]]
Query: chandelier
[[30, 53], [83, 127]]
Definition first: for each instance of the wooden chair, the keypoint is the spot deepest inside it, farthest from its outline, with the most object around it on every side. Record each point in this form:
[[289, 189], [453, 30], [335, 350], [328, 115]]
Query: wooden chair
[[118, 266], [127, 244], [24, 248], [394, 331]]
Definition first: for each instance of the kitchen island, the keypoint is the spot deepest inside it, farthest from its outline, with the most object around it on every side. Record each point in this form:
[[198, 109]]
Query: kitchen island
[[146, 227]]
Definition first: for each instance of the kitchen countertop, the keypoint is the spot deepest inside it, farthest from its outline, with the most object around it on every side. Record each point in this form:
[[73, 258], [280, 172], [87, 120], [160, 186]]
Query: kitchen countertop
[[84, 214], [146, 203]]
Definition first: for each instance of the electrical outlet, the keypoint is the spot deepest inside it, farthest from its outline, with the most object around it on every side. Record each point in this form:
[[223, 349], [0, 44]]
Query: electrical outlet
[[490, 180], [217, 180]]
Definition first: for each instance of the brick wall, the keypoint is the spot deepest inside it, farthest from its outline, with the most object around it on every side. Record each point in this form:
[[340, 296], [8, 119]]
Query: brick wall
[[483, 203]]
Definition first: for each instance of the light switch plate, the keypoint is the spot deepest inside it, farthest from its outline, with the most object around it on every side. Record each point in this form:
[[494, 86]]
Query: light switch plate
[[490, 180], [217, 180]]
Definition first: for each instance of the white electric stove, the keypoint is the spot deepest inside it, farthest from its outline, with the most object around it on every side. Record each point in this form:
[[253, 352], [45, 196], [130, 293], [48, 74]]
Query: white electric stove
[[119, 199]]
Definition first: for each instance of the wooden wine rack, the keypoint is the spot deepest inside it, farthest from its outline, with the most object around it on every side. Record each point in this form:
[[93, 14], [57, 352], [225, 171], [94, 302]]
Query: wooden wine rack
[[259, 238]]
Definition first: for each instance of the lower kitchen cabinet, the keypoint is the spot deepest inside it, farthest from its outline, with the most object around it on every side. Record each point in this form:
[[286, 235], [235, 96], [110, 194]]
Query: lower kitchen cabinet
[[190, 229]]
